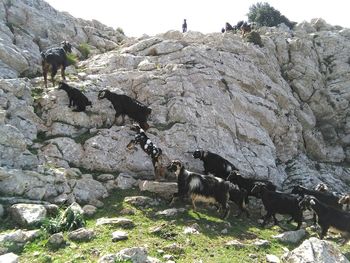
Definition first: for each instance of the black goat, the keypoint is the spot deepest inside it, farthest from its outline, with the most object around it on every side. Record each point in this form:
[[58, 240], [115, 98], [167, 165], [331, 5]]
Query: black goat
[[76, 97], [249, 183], [328, 216], [55, 58], [279, 203], [327, 198], [214, 164], [125, 105], [150, 148], [245, 28], [239, 196], [206, 188]]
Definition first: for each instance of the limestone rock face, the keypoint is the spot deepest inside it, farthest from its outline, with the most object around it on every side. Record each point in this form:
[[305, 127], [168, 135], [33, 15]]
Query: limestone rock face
[[29, 27], [277, 112]]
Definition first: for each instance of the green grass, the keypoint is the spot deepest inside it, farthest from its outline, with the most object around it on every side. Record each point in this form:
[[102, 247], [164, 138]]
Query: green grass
[[209, 245], [84, 50]]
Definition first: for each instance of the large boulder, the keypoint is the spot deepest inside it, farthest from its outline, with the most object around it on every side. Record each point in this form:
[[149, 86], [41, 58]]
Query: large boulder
[[315, 250], [27, 214]]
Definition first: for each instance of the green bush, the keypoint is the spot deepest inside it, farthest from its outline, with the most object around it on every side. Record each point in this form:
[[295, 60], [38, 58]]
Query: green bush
[[265, 15], [254, 37], [66, 221], [120, 30], [72, 59], [84, 50]]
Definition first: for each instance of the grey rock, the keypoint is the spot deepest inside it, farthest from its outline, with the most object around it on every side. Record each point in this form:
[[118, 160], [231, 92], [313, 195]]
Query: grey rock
[[57, 240], [165, 189], [9, 258], [292, 237], [135, 254], [315, 250], [261, 243], [81, 234], [272, 259], [235, 244], [89, 210], [171, 212], [27, 214], [174, 248], [20, 236], [125, 181], [119, 235], [141, 201], [115, 221]]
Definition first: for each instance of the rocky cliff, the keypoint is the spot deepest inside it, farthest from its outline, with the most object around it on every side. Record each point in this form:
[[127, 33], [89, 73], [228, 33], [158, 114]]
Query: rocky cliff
[[30, 26], [280, 111]]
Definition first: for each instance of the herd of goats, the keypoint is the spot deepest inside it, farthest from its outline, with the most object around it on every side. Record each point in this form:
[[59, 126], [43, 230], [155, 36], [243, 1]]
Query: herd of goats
[[221, 181]]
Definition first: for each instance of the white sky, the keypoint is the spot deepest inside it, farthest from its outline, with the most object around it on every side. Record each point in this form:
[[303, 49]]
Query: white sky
[[138, 17]]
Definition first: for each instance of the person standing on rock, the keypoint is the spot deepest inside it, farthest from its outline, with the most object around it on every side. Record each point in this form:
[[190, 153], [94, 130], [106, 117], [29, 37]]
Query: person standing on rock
[[184, 26]]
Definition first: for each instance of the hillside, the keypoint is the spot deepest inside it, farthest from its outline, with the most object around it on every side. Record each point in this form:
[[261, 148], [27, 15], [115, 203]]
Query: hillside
[[279, 112]]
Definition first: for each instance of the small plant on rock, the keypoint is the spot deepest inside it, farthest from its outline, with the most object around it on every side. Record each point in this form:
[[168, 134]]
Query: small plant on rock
[[72, 59], [84, 50], [254, 37]]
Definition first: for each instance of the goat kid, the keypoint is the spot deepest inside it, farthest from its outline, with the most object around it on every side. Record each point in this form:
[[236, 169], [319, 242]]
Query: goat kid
[[281, 203], [214, 164], [205, 188], [151, 149], [53, 59], [328, 217], [76, 97], [125, 105]]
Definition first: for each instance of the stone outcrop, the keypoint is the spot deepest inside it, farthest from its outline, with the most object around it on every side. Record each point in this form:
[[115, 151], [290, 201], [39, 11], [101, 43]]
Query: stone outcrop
[[315, 250], [278, 112], [29, 27]]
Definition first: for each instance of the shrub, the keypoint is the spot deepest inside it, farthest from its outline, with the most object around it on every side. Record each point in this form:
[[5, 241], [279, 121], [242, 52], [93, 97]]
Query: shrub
[[72, 59], [66, 221], [265, 15], [254, 37], [120, 30], [84, 50]]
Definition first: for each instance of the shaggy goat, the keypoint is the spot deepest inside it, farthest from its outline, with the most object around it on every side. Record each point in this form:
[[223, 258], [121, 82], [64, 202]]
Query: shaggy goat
[[206, 188], [55, 58], [281, 203], [151, 149], [76, 97], [124, 105], [328, 216], [214, 164], [249, 183]]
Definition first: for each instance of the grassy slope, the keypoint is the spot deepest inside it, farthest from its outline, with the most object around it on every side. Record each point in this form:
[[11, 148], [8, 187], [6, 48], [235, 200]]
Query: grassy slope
[[208, 246]]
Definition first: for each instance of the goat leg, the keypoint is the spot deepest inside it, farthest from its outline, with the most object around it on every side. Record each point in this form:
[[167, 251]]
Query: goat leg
[[267, 216], [62, 72], [323, 231]]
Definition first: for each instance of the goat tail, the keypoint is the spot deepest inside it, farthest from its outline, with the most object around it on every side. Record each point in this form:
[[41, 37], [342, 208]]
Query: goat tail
[[89, 103], [42, 55], [149, 110]]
